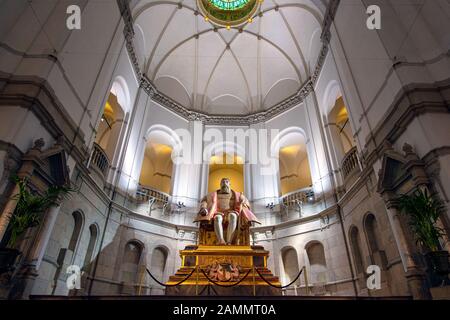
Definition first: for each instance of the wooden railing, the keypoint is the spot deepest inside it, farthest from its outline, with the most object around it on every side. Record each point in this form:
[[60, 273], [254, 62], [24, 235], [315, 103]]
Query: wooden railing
[[99, 159], [350, 162]]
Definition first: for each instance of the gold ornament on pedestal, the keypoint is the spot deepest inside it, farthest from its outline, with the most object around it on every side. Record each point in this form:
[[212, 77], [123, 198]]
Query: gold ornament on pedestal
[[224, 257]]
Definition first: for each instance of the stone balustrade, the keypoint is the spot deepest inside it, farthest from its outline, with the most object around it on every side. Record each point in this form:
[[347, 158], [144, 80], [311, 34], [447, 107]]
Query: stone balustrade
[[99, 160], [350, 163]]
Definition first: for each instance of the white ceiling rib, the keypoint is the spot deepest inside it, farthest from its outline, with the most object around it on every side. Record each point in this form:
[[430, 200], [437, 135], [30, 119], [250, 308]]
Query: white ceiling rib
[[230, 64]]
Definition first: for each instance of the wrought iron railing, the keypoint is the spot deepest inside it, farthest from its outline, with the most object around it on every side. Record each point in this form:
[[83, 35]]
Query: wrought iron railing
[[99, 159], [350, 162]]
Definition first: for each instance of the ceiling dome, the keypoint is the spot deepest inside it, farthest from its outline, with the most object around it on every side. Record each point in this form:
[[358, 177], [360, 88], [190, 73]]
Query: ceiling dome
[[214, 70]]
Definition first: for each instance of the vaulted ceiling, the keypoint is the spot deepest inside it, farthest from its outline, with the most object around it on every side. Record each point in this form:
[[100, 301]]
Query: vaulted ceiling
[[227, 72]]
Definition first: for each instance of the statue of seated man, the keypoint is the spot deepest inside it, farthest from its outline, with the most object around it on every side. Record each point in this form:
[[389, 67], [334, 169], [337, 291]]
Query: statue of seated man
[[225, 206]]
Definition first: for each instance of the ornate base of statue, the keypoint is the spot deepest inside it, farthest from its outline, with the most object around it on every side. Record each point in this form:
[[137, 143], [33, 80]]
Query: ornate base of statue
[[224, 263], [223, 271]]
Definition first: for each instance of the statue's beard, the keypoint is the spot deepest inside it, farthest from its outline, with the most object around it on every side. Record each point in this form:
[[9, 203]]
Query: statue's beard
[[225, 189]]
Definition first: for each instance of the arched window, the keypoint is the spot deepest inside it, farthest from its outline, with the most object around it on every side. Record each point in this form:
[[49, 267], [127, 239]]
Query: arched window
[[110, 126], [158, 264], [228, 166], [290, 264], [77, 227], [340, 127], [317, 262], [377, 255], [157, 168], [355, 243], [295, 170], [131, 261], [93, 230]]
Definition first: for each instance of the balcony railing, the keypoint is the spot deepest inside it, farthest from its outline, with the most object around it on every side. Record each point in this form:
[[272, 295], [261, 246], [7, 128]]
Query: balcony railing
[[350, 162], [298, 198], [146, 194], [99, 159]]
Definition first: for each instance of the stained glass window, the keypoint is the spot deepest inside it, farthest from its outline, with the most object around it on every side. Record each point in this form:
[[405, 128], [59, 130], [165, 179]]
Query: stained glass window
[[228, 13], [229, 4]]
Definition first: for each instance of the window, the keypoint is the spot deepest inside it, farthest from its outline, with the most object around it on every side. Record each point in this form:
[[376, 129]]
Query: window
[[229, 4], [111, 122]]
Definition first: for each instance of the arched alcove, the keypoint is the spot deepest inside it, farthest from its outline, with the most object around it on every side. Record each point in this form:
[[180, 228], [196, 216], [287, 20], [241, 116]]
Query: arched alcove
[[93, 234], [374, 241], [76, 231], [158, 264], [290, 264], [157, 170], [339, 122], [317, 262], [355, 243], [112, 118], [294, 165], [226, 166], [130, 266], [225, 160]]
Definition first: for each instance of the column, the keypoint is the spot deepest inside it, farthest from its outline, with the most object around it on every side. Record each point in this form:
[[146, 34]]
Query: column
[[40, 245], [414, 276]]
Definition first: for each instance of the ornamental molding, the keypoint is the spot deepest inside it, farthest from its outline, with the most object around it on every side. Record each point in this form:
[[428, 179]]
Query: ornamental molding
[[209, 119]]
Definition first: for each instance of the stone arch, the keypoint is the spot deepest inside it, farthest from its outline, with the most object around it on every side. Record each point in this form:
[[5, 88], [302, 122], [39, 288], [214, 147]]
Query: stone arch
[[93, 239], [374, 240], [78, 225], [120, 89], [164, 134], [331, 94]]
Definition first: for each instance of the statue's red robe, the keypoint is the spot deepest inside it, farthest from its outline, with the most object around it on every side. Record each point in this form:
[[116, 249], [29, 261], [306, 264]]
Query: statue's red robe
[[241, 206]]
